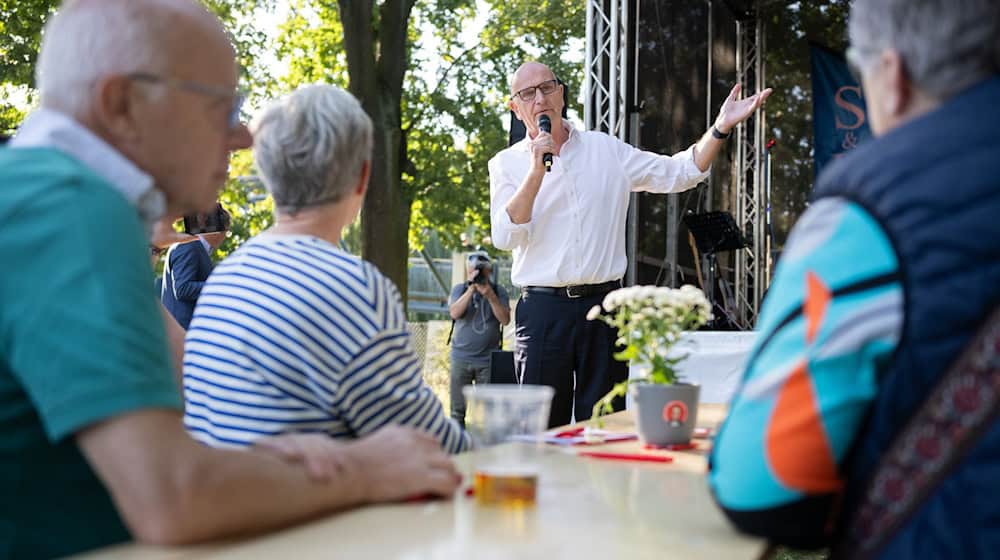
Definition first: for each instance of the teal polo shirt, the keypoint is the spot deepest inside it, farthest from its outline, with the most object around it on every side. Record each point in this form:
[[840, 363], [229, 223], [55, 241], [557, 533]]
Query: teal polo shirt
[[81, 341]]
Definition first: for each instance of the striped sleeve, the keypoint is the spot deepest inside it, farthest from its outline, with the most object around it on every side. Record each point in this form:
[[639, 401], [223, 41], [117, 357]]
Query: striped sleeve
[[269, 333], [384, 385], [833, 315], [294, 335]]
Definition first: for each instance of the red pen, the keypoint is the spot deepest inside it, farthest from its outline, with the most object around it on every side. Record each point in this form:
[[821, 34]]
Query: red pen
[[626, 456], [572, 432]]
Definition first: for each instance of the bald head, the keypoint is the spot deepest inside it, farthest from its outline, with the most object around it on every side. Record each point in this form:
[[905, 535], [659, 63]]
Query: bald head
[[529, 74], [87, 40], [536, 101]]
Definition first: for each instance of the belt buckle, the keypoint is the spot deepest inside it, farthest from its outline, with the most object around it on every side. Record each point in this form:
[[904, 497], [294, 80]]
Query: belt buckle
[[570, 293]]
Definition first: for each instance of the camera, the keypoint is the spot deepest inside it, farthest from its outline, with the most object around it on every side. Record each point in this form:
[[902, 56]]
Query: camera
[[215, 220], [480, 262]]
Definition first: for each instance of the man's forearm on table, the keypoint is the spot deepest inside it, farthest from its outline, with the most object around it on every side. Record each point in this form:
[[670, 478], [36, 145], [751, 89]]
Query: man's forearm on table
[[234, 492], [171, 489]]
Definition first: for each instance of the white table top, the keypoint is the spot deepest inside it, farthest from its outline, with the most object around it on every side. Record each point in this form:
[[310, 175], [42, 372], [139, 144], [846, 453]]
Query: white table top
[[586, 508]]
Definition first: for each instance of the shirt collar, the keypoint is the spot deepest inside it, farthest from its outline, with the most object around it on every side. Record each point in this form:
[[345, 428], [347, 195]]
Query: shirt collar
[[208, 248], [46, 128], [523, 143]]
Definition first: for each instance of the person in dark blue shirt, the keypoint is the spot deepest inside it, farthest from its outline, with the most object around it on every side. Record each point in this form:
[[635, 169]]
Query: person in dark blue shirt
[[187, 268]]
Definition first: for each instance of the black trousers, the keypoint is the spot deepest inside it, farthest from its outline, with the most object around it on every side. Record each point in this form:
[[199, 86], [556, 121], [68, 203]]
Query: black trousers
[[554, 341]]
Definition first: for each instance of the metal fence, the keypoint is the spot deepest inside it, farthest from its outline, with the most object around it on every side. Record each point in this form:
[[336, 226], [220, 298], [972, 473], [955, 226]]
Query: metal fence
[[429, 340], [426, 296]]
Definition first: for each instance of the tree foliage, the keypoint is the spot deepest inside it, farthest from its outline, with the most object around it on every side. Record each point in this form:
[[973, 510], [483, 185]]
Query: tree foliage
[[436, 90], [21, 24], [467, 102], [451, 120]]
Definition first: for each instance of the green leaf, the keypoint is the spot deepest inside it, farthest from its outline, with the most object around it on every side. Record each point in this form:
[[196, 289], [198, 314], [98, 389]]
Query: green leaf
[[630, 352], [450, 124]]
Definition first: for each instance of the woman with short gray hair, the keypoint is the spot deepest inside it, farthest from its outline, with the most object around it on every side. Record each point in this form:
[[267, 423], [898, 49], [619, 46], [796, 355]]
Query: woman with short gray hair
[[293, 334], [312, 148]]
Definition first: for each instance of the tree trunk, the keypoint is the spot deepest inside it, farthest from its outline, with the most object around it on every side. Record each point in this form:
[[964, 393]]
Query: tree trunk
[[385, 216], [376, 63]]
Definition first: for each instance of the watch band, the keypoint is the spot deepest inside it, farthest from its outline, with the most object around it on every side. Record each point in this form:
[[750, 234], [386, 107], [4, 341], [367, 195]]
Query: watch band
[[716, 133]]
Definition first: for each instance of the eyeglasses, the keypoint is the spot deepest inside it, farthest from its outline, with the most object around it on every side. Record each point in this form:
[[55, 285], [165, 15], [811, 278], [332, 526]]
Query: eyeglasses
[[546, 87], [219, 92]]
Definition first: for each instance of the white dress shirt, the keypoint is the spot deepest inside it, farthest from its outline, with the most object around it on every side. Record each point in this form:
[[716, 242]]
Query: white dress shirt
[[577, 230], [45, 128]]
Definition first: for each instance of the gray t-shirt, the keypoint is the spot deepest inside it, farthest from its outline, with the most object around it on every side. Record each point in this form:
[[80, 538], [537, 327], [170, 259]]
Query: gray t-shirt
[[477, 333]]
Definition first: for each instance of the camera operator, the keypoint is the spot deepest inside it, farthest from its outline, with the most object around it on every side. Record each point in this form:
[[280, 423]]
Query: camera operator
[[479, 308]]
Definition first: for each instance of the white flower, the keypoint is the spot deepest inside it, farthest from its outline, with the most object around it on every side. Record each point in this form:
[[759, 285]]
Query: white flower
[[611, 300], [594, 313], [654, 316]]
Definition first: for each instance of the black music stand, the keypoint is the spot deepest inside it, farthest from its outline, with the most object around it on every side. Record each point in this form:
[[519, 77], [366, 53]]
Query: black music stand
[[715, 232]]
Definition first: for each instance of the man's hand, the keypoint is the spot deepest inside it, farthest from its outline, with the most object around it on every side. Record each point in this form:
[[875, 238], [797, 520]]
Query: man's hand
[[484, 290], [542, 144], [319, 454], [734, 111], [472, 275], [394, 463]]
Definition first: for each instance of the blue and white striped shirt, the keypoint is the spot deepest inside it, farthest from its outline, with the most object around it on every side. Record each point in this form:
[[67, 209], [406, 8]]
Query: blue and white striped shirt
[[291, 334]]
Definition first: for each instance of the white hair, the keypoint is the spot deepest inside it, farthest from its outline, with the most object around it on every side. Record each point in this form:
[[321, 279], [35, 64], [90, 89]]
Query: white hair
[[86, 41], [946, 45], [310, 146]]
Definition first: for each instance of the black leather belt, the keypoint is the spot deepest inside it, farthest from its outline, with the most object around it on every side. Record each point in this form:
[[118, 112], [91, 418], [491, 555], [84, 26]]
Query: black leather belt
[[577, 291]]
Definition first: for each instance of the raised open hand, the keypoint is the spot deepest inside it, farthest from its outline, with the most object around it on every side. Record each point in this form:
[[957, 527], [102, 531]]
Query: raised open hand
[[734, 110]]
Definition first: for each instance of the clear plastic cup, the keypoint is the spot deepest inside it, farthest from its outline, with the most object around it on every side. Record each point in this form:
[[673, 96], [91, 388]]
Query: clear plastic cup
[[505, 422]]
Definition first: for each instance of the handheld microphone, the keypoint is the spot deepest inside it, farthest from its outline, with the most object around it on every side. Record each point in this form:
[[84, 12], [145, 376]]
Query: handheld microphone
[[545, 125]]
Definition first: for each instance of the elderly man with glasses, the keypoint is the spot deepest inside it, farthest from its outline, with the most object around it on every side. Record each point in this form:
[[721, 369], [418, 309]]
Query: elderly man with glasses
[[139, 111], [565, 223], [883, 282]]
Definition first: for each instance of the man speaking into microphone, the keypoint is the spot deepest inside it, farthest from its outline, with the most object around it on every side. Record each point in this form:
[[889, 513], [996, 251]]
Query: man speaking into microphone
[[558, 200], [545, 125]]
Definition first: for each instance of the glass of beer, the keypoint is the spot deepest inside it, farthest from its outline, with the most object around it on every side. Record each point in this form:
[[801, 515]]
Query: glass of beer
[[506, 422]]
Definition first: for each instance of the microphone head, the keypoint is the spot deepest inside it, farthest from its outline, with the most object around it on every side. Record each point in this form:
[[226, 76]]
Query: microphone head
[[544, 123]]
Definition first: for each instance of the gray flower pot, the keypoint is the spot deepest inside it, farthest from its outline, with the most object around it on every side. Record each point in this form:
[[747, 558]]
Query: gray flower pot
[[665, 414]]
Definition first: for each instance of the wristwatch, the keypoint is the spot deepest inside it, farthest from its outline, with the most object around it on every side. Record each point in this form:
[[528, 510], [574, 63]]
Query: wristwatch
[[716, 133]]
